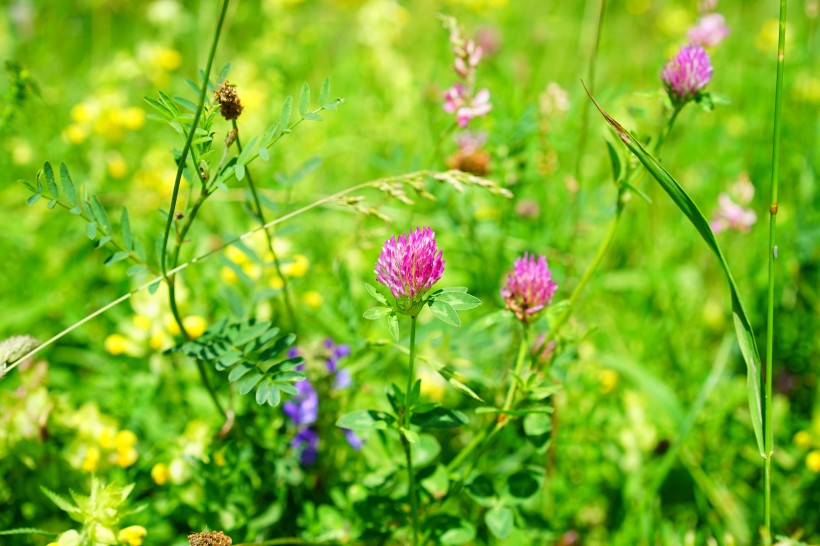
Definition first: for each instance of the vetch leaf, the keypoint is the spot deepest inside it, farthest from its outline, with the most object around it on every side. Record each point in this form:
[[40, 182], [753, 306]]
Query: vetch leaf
[[444, 312], [99, 214], [377, 312], [499, 521], [304, 99], [743, 328], [324, 92], [127, 237], [50, 182], [439, 418], [91, 230], [284, 115], [68, 186]]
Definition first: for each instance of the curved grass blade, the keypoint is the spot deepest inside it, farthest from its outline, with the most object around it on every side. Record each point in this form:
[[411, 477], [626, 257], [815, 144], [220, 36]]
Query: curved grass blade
[[743, 328]]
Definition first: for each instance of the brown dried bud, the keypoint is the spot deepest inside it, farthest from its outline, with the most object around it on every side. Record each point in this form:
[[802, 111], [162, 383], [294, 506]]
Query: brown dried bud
[[474, 162], [229, 104], [231, 137], [209, 538]]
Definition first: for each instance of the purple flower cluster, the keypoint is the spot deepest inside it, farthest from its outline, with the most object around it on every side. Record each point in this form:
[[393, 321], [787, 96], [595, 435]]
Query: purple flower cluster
[[687, 73], [303, 409], [410, 264], [462, 98], [529, 287]]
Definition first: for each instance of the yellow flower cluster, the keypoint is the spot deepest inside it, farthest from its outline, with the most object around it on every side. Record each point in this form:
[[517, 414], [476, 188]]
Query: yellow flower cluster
[[107, 117], [804, 440], [99, 440]]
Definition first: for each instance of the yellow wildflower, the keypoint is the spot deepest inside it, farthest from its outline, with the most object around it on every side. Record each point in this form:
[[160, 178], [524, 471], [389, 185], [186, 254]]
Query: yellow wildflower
[[75, 134], [124, 440], [157, 340], [143, 322], [116, 344], [168, 59], [106, 438], [608, 379], [276, 282], [236, 255], [160, 473], [296, 268], [195, 325], [116, 165], [132, 117], [127, 457], [91, 460], [83, 113], [802, 439], [313, 299], [813, 461], [132, 535], [228, 275]]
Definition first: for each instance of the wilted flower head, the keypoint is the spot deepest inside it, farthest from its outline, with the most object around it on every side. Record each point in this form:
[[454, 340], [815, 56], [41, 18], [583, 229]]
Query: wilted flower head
[[529, 287], [410, 264], [229, 104], [209, 538], [709, 31], [687, 73]]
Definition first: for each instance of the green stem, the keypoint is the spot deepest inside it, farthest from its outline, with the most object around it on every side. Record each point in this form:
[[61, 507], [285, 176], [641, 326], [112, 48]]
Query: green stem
[[667, 129], [408, 410], [768, 436], [261, 214], [288, 541], [437, 150]]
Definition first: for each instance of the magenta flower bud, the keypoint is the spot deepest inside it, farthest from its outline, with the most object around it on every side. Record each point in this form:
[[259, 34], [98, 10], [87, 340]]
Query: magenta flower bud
[[687, 73], [409, 265], [529, 287]]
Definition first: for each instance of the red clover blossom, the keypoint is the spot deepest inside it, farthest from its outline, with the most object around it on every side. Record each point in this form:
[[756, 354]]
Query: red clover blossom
[[686, 74], [409, 265], [529, 287]]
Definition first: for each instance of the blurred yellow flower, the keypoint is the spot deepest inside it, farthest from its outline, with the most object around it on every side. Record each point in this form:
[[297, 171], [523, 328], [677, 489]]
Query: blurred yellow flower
[[802, 439], [768, 36], [168, 59], [160, 473], [75, 134], [296, 268], [21, 151], [142, 322], [674, 22], [237, 255], [106, 438], [276, 282], [486, 212], [83, 112], [133, 535], [116, 344], [91, 460], [219, 458], [195, 325], [313, 299], [124, 440], [132, 117], [608, 379], [228, 275], [637, 7], [116, 165], [127, 457], [807, 87], [813, 461], [157, 340]]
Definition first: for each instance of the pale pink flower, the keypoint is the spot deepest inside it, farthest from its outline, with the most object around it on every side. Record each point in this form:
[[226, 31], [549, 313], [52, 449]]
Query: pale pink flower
[[730, 215], [709, 31], [465, 108]]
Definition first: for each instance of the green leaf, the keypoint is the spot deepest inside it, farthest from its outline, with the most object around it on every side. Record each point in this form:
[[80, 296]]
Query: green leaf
[[91, 230], [376, 294], [615, 161], [52, 184], [240, 371], [68, 186], [284, 115], [482, 489], [33, 199], [458, 535], [62, 503], [100, 215], [460, 301], [437, 483], [324, 92], [247, 150], [425, 448], [116, 257], [444, 312], [239, 169], [169, 103], [127, 237], [247, 383], [537, 424], [393, 325], [522, 485], [312, 116], [499, 520], [159, 107], [134, 269], [51, 204], [743, 327], [304, 99], [439, 418], [377, 312], [365, 420]]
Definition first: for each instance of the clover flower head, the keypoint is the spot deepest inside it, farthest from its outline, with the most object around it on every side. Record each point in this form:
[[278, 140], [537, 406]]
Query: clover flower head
[[529, 287], [410, 264], [687, 73], [709, 31]]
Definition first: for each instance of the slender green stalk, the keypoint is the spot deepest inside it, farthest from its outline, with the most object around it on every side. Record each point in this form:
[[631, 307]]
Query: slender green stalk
[[261, 214], [183, 159], [408, 410], [216, 250], [768, 436]]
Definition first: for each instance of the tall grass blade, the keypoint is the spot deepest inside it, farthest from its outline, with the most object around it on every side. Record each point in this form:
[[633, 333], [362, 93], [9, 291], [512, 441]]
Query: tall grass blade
[[743, 328]]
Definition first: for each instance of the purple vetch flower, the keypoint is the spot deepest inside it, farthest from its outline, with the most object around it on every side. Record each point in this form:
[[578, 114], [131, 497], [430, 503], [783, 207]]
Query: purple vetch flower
[[410, 264], [303, 409], [709, 31], [354, 441], [687, 73], [306, 442], [529, 287]]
